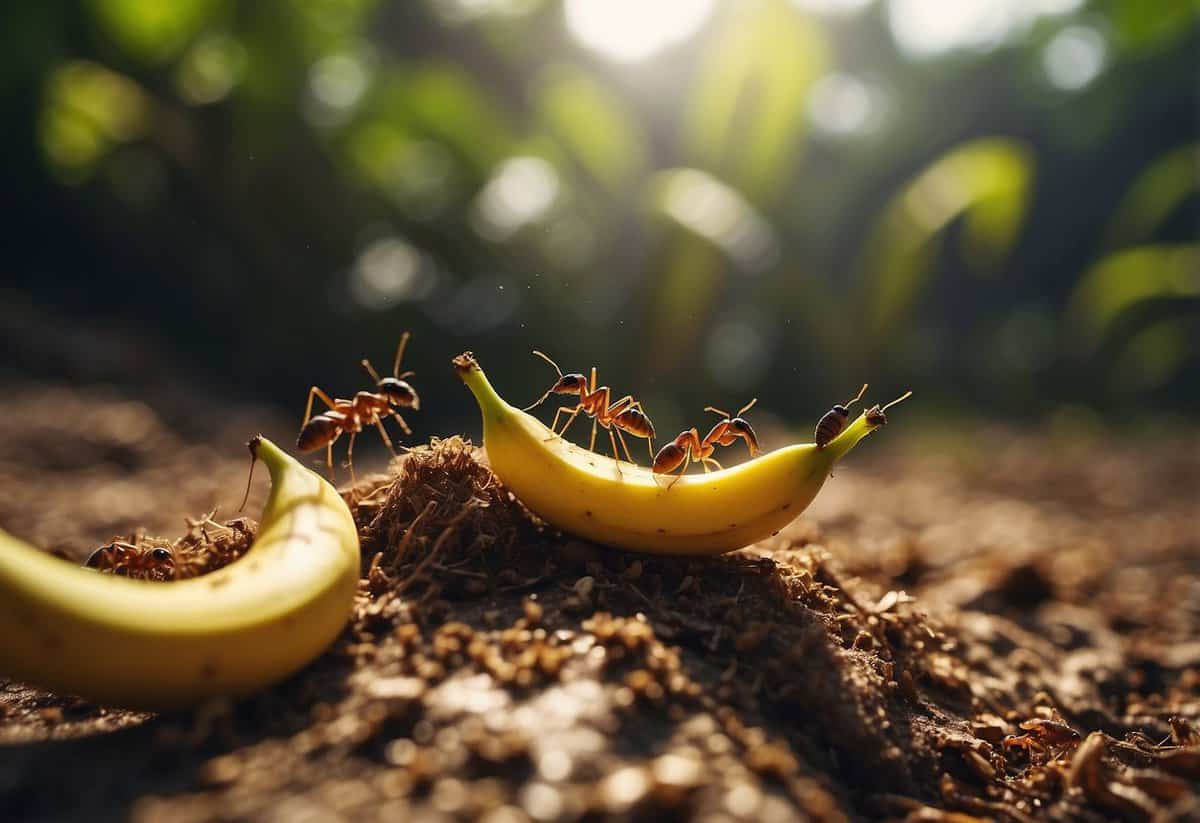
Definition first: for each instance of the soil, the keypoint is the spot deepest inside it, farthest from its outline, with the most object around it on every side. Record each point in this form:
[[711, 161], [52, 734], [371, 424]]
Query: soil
[[983, 624]]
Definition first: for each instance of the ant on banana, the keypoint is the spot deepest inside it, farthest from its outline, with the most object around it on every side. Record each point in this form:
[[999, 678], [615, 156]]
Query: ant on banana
[[834, 421], [623, 415], [391, 395], [688, 446]]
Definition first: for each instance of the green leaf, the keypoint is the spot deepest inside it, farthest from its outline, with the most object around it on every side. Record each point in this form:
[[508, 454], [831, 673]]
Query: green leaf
[[153, 31], [86, 110], [748, 117], [1125, 279], [1152, 356], [446, 104], [985, 182], [1142, 26], [1155, 195], [591, 123]]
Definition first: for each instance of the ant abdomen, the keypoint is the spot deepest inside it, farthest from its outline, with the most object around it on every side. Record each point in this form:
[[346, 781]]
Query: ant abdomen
[[669, 458], [635, 421], [318, 432], [831, 424]]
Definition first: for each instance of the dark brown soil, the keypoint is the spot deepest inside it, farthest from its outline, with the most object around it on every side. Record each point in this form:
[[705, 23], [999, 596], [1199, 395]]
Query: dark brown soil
[[982, 624]]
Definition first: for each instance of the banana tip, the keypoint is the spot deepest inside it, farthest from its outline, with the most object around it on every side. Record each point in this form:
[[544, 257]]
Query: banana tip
[[465, 363], [253, 443]]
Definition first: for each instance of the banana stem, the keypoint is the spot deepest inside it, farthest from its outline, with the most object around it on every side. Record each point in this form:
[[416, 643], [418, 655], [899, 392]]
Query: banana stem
[[841, 445], [492, 404]]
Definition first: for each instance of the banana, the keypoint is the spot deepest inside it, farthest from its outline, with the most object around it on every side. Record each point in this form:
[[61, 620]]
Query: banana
[[619, 504], [146, 645]]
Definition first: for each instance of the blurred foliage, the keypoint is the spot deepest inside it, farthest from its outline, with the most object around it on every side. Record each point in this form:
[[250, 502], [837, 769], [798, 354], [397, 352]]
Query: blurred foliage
[[706, 198], [986, 184]]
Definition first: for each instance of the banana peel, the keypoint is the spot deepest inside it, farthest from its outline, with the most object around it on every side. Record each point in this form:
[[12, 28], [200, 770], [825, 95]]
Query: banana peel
[[147, 645], [628, 506]]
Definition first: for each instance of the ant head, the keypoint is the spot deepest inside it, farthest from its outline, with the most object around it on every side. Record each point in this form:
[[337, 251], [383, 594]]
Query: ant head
[[742, 428], [570, 384], [635, 421], [399, 393], [317, 432], [844, 410]]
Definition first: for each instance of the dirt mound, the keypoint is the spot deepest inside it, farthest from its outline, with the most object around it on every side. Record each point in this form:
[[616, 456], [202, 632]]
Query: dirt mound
[[984, 641]]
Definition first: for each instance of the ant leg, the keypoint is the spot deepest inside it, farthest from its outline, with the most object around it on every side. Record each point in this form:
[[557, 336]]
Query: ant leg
[[399, 353], [628, 456], [387, 440], [687, 459], [404, 426], [326, 399], [708, 460], [329, 462], [595, 423], [574, 413], [350, 459], [616, 456], [558, 412]]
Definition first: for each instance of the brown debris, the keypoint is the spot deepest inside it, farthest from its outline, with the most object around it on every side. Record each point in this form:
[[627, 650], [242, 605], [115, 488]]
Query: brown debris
[[882, 665]]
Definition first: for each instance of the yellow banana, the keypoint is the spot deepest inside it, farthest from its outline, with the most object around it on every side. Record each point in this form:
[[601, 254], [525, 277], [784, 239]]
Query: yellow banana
[[623, 505], [141, 644]]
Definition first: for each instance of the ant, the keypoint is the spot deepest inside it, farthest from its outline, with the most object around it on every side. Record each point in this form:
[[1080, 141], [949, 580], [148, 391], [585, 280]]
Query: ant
[[127, 560], [834, 421], [624, 415], [351, 416], [688, 446]]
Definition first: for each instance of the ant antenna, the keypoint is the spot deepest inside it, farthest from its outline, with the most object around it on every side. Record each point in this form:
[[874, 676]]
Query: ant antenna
[[399, 354], [366, 364], [548, 360], [729, 416], [246, 496], [860, 394], [904, 396], [542, 399]]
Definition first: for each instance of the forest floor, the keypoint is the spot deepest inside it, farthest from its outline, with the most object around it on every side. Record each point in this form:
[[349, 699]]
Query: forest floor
[[993, 624]]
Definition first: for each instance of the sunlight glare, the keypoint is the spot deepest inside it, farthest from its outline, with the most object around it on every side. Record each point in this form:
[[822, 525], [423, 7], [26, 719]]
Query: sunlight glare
[[390, 270], [1074, 58], [520, 192], [924, 28], [833, 8], [843, 105], [713, 210], [631, 30]]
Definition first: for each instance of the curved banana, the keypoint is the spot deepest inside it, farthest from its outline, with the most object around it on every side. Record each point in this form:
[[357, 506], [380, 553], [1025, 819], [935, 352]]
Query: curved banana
[[628, 506], [141, 644]]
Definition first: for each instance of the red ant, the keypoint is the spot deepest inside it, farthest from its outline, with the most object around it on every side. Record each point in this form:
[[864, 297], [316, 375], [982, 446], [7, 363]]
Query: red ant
[[127, 560], [352, 416], [688, 446], [624, 415]]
